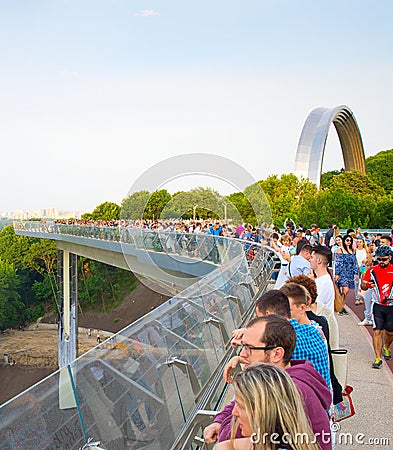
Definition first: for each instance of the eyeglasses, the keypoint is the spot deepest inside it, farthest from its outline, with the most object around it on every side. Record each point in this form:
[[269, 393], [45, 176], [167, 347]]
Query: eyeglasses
[[383, 258], [250, 348], [347, 240]]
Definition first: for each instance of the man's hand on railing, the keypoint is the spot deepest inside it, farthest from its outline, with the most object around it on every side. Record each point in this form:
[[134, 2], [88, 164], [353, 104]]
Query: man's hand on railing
[[210, 433], [237, 337], [230, 367]]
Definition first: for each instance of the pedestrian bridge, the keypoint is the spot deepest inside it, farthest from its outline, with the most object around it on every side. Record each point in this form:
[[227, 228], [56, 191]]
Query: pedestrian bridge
[[176, 259], [164, 381]]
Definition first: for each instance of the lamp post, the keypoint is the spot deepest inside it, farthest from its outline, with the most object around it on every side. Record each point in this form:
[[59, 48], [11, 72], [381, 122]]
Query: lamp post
[[225, 213]]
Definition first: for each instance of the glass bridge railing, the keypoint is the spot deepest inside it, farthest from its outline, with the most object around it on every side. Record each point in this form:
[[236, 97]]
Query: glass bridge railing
[[141, 388], [202, 246]]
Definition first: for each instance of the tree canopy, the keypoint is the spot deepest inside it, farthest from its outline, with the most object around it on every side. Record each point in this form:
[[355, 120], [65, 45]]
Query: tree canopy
[[134, 206], [379, 169], [28, 265], [10, 304], [104, 211]]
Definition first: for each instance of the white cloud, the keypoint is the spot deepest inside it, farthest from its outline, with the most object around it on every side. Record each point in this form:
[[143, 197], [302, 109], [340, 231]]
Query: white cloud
[[147, 12], [69, 73]]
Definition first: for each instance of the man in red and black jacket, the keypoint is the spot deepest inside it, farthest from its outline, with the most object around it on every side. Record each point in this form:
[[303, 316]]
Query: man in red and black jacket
[[380, 279]]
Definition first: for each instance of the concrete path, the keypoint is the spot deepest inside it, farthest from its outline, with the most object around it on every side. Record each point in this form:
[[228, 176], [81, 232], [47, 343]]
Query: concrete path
[[372, 425]]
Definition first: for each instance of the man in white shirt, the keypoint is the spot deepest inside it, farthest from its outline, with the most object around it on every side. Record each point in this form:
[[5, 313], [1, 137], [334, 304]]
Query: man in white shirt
[[300, 264], [319, 261]]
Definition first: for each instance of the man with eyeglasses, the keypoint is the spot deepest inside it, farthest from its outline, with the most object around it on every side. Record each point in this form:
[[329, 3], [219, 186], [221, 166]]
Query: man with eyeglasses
[[379, 278], [272, 339]]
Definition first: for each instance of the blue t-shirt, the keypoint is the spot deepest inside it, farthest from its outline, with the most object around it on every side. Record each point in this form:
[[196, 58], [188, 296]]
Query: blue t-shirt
[[311, 347]]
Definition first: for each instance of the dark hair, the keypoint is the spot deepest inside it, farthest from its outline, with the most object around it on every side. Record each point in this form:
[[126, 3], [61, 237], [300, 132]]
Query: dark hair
[[276, 302], [387, 237], [278, 333], [300, 243], [296, 292], [348, 248], [308, 283], [323, 252], [306, 247]]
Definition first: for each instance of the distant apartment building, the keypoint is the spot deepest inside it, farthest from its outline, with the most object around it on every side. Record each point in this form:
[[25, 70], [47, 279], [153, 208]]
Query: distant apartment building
[[45, 213]]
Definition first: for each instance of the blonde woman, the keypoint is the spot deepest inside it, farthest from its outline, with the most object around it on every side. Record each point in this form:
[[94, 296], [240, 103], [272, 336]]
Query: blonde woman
[[364, 261], [336, 233], [269, 410]]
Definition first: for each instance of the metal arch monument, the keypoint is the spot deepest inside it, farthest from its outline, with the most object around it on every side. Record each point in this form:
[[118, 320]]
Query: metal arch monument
[[312, 142]]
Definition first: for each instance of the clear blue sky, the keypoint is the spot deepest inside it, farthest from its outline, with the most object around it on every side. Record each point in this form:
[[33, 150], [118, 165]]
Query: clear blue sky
[[94, 92]]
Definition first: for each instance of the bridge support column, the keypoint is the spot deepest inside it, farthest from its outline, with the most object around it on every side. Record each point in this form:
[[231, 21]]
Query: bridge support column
[[68, 296]]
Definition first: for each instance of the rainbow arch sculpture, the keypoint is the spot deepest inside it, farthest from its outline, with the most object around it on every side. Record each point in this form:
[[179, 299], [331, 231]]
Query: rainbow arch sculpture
[[311, 146]]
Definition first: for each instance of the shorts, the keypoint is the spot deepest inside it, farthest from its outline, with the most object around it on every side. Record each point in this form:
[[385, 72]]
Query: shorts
[[383, 317]]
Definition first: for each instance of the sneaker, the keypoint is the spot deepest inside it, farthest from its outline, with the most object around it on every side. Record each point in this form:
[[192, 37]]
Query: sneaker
[[377, 363], [343, 312], [365, 322], [386, 353]]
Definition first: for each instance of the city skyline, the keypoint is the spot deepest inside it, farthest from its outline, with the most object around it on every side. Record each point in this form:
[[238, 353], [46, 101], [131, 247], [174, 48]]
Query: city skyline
[[41, 213], [93, 94]]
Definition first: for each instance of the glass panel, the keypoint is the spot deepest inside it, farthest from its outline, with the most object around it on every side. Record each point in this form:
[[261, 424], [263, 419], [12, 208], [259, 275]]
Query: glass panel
[[139, 388]]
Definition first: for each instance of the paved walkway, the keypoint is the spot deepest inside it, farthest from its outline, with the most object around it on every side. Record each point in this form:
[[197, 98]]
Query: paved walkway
[[372, 425]]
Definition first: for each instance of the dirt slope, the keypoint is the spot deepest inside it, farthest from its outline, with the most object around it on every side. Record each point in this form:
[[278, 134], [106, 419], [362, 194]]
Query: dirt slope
[[34, 350]]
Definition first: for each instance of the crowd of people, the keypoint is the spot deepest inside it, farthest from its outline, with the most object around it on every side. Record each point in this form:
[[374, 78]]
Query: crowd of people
[[296, 330], [288, 386]]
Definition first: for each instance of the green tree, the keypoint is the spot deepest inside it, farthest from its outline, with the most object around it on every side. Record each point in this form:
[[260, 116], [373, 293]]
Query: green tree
[[156, 204], [383, 212], [134, 206], [106, 211], [379, 169], [42, 256], [327, 178], [260, 204], [15, 249], [287, 195], [208, 202], [355, 182], [10, 304], [338, 206], [239, 209], [102, 286]]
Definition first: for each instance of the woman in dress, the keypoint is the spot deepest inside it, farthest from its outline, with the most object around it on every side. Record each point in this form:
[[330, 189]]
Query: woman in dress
[[269, 410], [345, 269]]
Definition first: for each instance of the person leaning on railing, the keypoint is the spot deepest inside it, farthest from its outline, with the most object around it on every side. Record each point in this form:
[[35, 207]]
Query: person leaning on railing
[[270, 412]]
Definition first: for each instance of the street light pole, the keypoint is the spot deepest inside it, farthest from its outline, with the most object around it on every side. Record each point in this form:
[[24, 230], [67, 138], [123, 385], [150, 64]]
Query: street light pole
[[194, 210]]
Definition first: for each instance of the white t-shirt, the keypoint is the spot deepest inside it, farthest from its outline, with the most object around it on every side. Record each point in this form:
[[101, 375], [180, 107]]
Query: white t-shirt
[[299, 266], [360, 256], [325, 291]]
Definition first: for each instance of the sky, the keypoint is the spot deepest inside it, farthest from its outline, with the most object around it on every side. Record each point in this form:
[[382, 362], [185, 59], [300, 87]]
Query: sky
[[93, 93]]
